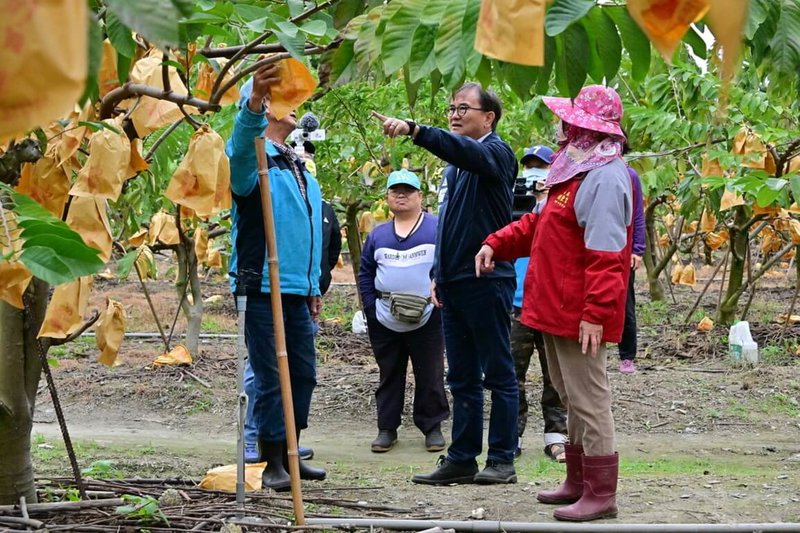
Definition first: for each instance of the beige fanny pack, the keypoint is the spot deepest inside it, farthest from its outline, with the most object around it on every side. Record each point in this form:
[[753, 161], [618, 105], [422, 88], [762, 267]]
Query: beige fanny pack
[[406, 306]]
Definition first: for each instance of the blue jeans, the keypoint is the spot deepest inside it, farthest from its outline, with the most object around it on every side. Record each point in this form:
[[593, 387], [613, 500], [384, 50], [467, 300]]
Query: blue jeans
[[477, 323], [264, 409]]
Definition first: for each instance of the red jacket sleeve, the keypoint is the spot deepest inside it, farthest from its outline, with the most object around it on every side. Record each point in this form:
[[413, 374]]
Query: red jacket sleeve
[[514, 240], [606, 282]]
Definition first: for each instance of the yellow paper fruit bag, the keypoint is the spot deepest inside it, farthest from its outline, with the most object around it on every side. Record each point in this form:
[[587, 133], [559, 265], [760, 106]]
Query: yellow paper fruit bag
[[178, 356], [45, 182], [688, 276], [163, 229], [205, 82], [708, 221], [110, 332], [665, 21], [296, 86], [512, 31], [706, 324], [88, 217], [14, 279], [106, 168], [214, 258], [66, 309], [107, 76], [151, 114], [223, 478], [137, 163], [202, 180], [43, 62], [730, 199], [71, 137], [201, 244], [677, 270], [145, 264]]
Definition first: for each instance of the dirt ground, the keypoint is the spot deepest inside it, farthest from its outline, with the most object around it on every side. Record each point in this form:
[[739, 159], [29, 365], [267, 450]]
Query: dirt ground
[[700, 441]]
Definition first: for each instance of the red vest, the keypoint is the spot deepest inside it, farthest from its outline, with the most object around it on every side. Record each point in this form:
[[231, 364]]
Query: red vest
[[566, 282]]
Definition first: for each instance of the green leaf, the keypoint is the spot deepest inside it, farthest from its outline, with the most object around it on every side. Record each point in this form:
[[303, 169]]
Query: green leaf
[[345, 11], [287, 28], [606, 41], [399, 36], [543, 83], [563, 13], [95, 55], [785, 43], [98, 125], [757, 14], [125, 264], [448, 48], [595, 66], [294, 45], [794, 183], [317, 28], [422, 59], [698, 45], [636, 43], [295, 7], [770, 191], [412, 89], [572, 60], [120, 36], [124, 67], [155, 20], [184, 7], [343, 64], [433, 11], [56, 260], [520, 78]]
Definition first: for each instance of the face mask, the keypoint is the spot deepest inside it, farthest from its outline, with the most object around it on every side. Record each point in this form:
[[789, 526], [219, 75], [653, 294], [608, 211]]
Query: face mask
[[534, 174]]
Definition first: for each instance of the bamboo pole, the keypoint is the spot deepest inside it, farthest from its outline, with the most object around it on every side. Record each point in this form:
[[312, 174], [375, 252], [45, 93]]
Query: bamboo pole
[[280, 334]]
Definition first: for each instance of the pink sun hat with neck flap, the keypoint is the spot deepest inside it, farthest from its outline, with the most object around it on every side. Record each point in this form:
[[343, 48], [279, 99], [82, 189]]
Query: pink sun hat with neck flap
[[596, 108]]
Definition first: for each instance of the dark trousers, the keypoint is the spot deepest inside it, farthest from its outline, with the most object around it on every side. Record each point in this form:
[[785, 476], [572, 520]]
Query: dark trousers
[[628, 344], [523, 341], [264, 391], [392, 349], [477, 323]]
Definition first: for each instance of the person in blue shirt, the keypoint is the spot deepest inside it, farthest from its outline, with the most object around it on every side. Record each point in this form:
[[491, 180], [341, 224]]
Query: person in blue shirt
[[475, 310], [524, 340], [395, 263], [297, 205]]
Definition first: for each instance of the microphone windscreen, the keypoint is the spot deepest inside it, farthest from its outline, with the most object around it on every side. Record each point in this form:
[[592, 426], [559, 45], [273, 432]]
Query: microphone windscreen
[[308, 122]]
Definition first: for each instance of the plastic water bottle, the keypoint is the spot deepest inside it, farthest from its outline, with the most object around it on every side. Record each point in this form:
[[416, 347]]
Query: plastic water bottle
[[741, 347]]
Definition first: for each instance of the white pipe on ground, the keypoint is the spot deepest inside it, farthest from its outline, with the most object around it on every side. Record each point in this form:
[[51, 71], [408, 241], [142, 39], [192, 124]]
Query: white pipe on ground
[[487, 526]]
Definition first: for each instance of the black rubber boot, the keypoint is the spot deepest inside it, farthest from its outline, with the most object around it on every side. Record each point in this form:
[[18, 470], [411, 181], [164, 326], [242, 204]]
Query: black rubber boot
[[306, 471], [275, 476]]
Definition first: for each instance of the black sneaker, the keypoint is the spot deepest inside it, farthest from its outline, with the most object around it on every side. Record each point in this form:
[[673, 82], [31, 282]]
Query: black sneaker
[[385, 440], [496, 472], [448, 473], [434, 440]]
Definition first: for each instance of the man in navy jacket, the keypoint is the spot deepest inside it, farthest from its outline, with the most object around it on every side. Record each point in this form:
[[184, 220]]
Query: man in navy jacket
[[475, 311]]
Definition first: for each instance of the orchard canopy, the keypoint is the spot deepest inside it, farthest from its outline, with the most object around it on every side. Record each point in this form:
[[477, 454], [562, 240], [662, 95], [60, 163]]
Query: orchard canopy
[[113, 116]]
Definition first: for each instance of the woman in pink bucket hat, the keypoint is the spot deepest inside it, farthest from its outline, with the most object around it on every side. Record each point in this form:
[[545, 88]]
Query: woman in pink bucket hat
[[579, 242]]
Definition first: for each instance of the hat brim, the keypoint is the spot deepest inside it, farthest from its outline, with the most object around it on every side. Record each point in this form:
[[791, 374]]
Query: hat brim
[[563, 109], [528, 157]]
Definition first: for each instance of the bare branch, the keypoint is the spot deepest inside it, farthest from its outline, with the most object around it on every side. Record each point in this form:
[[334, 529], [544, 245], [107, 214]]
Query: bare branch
[[69, 338], [216, 94], [129, 90], [675, 151]]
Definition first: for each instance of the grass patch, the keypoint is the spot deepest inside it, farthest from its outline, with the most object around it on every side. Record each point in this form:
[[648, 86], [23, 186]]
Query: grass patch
[[210, 324], [340, 303], [681, 466], [780, 354], [653, 313]]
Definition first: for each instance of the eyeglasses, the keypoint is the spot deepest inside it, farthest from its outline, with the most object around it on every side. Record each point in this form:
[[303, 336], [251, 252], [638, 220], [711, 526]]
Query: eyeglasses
[[401, 192], [461, 110]]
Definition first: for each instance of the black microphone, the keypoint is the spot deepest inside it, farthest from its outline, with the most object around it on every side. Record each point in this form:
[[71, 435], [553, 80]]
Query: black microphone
[[308, 122]]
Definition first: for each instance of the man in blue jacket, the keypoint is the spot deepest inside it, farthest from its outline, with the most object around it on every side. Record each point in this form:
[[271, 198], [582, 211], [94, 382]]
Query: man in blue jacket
[[475, 311], [297, 203]]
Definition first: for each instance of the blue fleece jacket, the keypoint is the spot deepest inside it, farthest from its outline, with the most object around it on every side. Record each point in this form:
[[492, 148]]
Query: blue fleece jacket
[[480, 181], [298, 220]]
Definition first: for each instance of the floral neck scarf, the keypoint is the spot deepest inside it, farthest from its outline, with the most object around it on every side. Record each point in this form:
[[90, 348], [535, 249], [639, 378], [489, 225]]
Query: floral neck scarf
[[581, 151]]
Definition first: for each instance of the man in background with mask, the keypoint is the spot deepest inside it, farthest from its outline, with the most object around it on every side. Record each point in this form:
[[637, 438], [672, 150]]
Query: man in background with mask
[[530, 190]]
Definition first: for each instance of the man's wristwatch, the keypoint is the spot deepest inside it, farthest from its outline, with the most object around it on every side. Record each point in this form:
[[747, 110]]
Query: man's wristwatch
[[411, 127]]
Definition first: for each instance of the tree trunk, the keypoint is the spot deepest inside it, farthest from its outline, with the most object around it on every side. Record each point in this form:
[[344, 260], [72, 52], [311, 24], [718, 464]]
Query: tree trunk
[[650, 258], [187, 273], [354, 240], [20, 368], [739, 241]]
